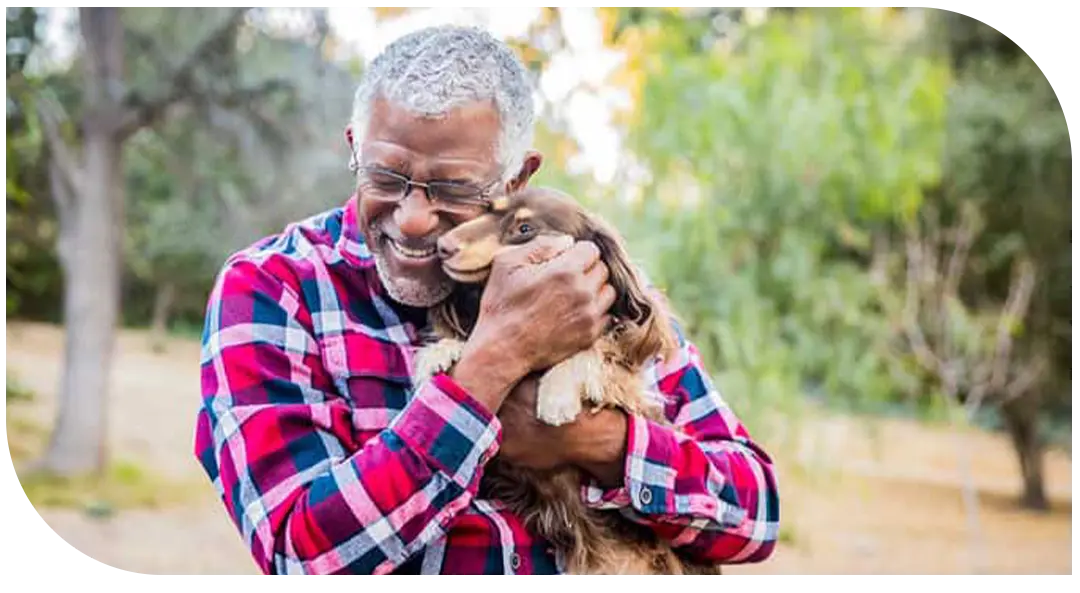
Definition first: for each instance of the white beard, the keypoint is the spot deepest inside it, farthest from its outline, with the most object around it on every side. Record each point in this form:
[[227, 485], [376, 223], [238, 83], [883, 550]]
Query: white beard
[[411, 292]]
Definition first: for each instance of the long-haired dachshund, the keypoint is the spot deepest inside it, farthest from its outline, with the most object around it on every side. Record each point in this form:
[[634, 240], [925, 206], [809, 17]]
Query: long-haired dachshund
[[608, 374]]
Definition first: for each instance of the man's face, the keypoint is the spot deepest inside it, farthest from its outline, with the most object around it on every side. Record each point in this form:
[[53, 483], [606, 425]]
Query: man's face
[[401, 233]]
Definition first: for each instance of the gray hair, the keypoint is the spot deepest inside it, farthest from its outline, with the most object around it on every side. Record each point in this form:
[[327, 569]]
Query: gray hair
[[434, 70]]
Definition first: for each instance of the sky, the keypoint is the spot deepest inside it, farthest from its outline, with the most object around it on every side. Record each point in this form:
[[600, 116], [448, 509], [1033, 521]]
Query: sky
[[588, 111]]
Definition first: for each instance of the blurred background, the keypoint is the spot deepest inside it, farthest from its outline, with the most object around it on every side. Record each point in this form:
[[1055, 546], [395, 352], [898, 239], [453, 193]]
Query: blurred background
[[862, 216]]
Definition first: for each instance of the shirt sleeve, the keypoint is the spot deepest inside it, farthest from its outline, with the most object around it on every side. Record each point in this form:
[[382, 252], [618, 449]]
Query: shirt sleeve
[[310, 490], [698, 481]]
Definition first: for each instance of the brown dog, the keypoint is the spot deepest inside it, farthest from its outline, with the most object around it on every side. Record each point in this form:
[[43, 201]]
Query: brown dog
[[608, 374]]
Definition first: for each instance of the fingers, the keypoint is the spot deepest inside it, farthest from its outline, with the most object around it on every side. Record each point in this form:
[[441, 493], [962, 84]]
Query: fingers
[[606, 299], [541, 249], [584, 255], [560, 251], [597, 275]]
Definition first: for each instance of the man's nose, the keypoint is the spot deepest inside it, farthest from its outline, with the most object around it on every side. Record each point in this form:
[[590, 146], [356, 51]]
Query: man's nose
[[447, 247], [416, 216]]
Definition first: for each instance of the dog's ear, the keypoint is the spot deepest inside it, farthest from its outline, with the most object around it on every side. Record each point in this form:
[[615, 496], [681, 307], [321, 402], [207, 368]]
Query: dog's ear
[[642, 323]]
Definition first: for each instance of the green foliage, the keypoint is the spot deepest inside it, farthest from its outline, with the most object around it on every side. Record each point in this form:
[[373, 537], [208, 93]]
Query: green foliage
[[1009, 152], [33, 276], [21, 36], [782, 159], [212, 177], [769, 155]]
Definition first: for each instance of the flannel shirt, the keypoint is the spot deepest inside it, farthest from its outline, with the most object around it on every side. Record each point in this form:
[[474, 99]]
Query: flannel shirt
[[329, 460]]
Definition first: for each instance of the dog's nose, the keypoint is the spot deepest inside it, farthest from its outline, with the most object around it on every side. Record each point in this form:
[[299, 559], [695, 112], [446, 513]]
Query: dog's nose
[[446, 248]]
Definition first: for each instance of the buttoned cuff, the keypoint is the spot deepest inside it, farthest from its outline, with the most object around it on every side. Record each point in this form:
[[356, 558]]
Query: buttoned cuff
[[648, 479], [454, 432]]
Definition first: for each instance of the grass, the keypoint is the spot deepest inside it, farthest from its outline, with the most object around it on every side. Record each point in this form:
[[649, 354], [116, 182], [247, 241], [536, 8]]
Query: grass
[[787, 534], [124, 484], [16, 391]]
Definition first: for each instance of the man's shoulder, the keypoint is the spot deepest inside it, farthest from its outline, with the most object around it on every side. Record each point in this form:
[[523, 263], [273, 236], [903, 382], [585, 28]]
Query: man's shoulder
[[297, 251], [297, 239]]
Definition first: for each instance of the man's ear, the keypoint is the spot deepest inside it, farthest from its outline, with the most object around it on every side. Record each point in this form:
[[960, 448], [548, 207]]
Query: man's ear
[[349, 137], [529, 166]]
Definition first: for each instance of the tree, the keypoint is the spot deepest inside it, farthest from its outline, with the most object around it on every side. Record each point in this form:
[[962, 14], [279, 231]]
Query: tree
[[86, 179], [971, 352], [1009, 153]]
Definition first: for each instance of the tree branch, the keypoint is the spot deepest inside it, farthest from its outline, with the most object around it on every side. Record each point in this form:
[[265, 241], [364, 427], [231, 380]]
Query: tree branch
[[51, 115], [1015, 309], [923, 354], [242, 96], [146, 112], [64, 199], [1025, 380]]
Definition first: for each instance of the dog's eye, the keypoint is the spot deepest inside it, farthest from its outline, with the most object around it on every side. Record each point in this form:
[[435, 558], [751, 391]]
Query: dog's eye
[[524, 228]]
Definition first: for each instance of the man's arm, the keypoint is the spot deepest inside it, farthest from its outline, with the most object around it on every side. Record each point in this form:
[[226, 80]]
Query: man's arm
[[307, 492], [701, 483]]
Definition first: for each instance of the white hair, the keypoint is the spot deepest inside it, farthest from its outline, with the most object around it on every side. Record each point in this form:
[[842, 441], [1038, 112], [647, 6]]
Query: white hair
[[434, 70]]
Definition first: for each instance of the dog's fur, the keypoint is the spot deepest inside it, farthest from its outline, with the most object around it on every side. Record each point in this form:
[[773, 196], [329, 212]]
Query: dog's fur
[[608, 374]]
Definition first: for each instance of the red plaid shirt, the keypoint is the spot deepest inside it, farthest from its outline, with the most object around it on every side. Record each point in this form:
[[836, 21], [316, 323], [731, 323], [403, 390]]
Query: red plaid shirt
[[329, 460]]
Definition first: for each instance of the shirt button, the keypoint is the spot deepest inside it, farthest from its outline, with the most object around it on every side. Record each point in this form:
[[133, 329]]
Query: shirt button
[[645, 496], [515, 561]]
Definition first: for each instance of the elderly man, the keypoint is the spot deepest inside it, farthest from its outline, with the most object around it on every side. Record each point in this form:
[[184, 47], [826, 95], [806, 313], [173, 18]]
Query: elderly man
[[327, 457]]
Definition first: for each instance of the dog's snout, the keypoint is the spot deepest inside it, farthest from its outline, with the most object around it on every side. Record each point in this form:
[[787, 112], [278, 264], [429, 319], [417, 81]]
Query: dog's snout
[[446, 248]]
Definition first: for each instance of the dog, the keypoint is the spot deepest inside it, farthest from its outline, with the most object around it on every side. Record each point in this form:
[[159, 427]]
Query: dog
[[608, 374]]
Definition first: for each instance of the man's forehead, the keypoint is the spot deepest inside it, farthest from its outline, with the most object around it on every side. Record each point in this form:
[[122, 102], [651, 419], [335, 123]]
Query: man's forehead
[[476, 118], [425, 166]]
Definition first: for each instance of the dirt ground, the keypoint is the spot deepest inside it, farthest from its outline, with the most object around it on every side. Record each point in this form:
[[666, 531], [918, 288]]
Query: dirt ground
[[850, 504]]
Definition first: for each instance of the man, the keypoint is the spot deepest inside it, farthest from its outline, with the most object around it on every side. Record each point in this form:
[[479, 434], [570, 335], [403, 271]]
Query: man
[[325, 455]]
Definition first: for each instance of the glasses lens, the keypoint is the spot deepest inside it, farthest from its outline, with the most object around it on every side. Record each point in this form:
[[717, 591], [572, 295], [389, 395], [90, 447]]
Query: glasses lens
[[386, 183], [457, 195]]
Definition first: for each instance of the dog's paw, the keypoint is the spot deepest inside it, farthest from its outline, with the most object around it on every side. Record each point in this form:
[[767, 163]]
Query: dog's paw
[[589, 370], [436, 358], [557, 396]]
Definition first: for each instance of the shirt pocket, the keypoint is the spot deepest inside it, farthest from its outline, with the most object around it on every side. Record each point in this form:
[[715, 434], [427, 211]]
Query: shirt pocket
[[372, 375]]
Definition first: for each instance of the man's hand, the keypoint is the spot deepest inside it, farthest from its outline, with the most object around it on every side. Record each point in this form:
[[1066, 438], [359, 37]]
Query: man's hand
[[544, 302], [594, 442]]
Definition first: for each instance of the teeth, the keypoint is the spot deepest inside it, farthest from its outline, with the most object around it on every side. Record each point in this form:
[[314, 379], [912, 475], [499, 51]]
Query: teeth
[[413, 253]]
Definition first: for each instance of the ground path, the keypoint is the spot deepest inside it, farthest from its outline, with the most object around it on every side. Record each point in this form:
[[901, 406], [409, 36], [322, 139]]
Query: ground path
[[889, 509]]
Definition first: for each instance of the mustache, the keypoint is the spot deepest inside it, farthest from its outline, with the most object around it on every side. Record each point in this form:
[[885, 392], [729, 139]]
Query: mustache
[[416, 244]]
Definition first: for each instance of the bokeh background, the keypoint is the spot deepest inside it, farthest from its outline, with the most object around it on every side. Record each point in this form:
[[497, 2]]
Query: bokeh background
[[862, 215]]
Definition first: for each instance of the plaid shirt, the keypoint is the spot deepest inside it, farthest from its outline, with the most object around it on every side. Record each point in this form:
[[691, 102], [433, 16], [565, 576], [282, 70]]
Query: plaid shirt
[[329, 460]]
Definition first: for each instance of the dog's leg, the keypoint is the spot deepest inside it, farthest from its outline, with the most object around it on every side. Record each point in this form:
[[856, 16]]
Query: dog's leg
[[436, 358], [562, 388]]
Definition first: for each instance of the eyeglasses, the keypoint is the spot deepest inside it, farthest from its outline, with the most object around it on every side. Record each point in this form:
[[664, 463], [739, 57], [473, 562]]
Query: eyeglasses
[[448, 195]]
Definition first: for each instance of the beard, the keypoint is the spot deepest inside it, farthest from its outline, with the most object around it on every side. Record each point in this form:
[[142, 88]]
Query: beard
[[422, 289], [409, 290]]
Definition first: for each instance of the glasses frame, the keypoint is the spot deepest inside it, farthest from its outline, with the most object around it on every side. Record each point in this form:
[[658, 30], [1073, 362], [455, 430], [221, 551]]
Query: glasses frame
[[482, 199]]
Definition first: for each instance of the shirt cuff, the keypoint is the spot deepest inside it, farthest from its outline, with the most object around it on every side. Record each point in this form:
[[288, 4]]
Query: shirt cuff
[[454, 432], [648, 486]]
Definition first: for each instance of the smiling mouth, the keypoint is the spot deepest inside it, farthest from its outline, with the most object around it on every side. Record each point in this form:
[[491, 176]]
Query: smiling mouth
[[409, 253], [466, 276]]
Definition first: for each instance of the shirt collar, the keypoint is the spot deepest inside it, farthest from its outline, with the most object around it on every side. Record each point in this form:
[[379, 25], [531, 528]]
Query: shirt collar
[[353, 249], [351, 243]]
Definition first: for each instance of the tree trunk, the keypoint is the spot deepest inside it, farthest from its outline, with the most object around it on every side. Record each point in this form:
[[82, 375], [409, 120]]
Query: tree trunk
[[159, 325], [91, 294], [1021, 420], [92, 259]]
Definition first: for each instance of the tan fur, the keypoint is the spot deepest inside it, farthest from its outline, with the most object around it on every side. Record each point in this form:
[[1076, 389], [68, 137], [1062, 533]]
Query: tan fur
[[608, 374]]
